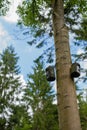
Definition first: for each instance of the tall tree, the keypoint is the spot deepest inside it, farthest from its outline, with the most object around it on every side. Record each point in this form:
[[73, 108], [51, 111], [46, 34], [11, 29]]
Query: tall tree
[[9, 84], [67, 99], [44, 17], [39, 97]]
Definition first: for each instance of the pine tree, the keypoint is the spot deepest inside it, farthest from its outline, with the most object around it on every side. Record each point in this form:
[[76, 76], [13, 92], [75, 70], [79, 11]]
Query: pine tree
[[9, 84], [39, 97]]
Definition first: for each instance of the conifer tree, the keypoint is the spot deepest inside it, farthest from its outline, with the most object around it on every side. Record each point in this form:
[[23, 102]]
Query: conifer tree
[[9, 84], [39, 97]]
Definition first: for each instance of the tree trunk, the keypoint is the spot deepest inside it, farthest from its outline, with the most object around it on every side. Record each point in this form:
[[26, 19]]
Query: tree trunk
[[67, 101]]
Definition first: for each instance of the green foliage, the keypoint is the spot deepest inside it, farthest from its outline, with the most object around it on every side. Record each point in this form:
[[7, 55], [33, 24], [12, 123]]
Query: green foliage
[[83, 110], [34, 13], [2, 123], [30, 12], [4, 6], [10, 59], [39, 13], [40, 96], [19, 120], [81, 33]]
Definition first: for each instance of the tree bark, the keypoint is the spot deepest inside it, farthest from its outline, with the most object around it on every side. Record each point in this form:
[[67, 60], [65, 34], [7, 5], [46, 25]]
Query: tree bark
[[69, 118]]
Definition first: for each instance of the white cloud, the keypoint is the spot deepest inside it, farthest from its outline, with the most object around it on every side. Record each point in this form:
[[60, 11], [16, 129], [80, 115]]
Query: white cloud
[[84, 62], [22, 80], [3, 32], [80, 51], [55, 89], [4, 37], [12, 15]]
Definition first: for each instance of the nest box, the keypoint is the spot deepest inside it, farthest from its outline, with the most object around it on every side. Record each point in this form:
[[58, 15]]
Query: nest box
[[50, 73], [75, 70]]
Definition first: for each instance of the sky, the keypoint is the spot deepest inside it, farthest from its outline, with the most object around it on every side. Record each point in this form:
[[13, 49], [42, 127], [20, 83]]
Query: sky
[[10, 34]]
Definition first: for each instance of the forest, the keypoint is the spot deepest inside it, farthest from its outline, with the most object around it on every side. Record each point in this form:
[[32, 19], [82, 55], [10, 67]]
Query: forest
[[36, 105]]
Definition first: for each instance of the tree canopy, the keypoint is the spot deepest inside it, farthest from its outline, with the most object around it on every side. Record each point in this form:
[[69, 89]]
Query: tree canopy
[[4, 7], [37, 16]]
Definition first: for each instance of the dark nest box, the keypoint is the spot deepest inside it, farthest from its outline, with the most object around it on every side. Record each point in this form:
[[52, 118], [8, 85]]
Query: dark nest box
[[75, 70], [50, 73]]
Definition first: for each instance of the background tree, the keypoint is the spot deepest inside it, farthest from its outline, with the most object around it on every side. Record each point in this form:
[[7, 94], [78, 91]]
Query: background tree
[[39, 97], [10, 84]]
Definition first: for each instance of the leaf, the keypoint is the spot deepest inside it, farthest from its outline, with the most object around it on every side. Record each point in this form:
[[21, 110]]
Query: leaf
[[41, 44], [32, 42]]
